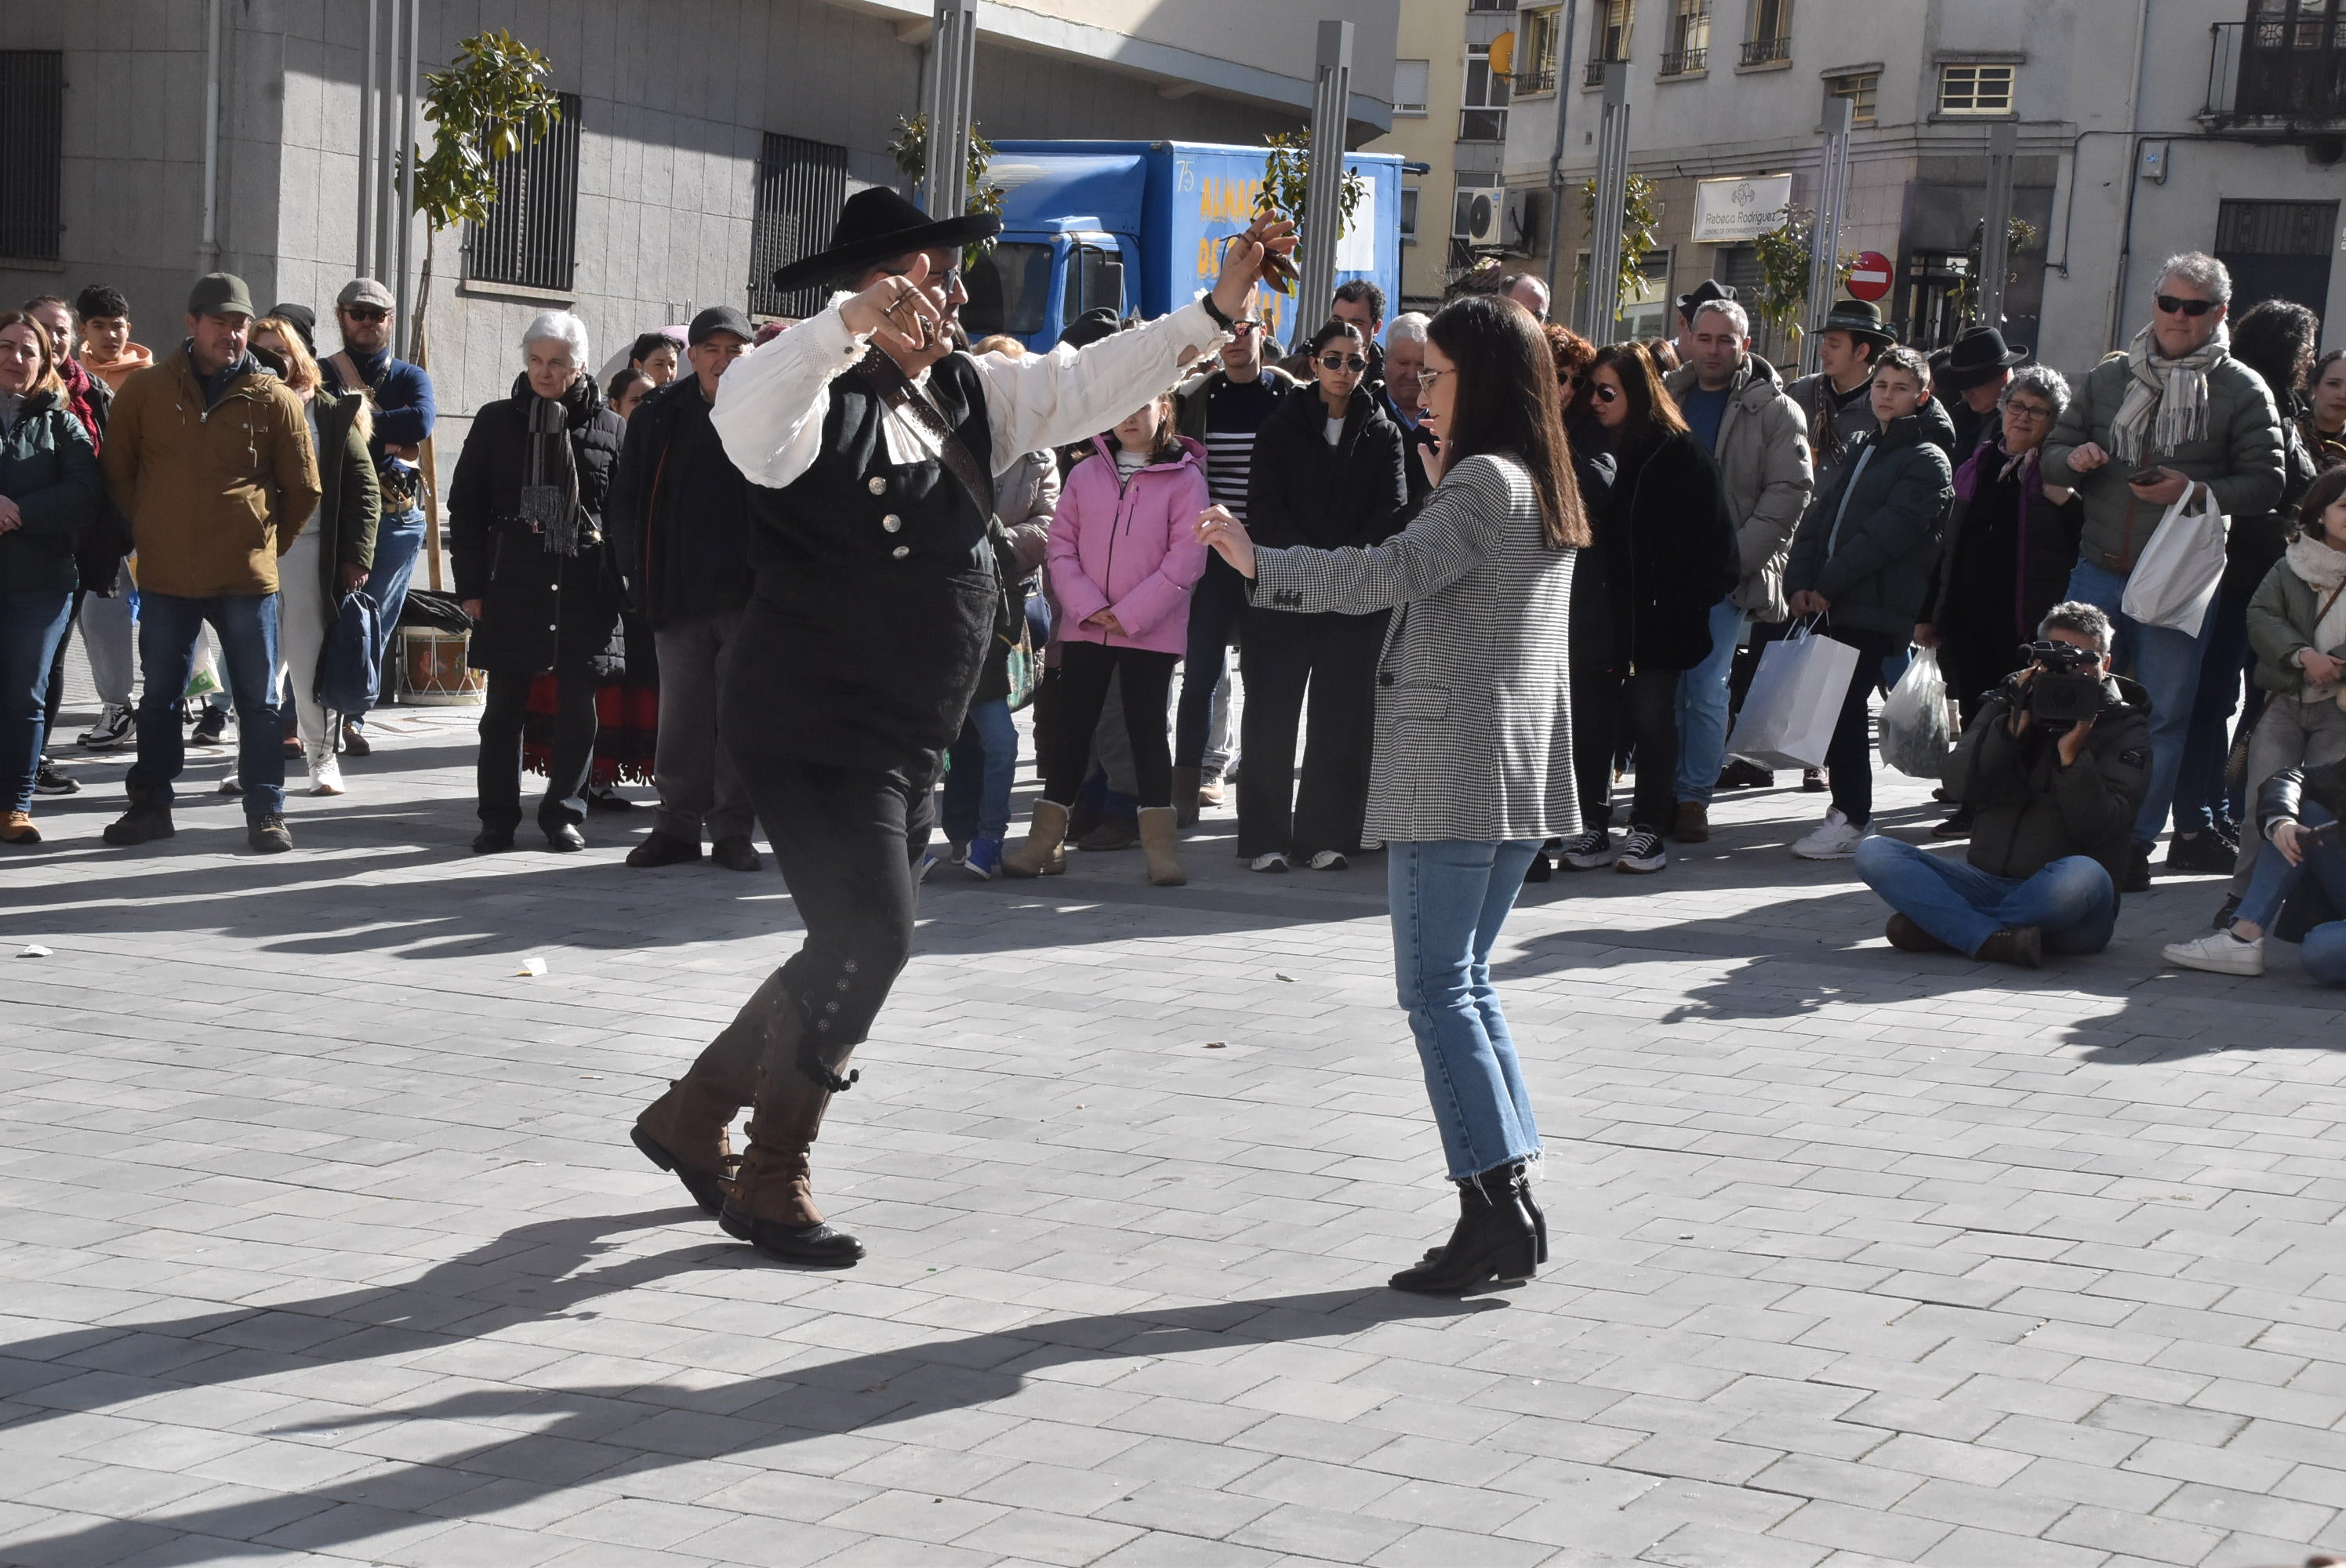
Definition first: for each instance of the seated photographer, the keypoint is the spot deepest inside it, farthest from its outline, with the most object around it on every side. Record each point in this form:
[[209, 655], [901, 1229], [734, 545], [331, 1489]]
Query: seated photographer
[[2053, 768], [2298, 813]]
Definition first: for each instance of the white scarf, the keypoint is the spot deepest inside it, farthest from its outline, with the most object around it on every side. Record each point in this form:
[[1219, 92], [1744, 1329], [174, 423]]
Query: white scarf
[[2322, 569], [2166, 403]]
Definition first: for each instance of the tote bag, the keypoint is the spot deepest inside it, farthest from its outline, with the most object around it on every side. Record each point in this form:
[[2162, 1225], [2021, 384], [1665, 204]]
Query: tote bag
[[1795, 701], [2175, 577], [344, 680]]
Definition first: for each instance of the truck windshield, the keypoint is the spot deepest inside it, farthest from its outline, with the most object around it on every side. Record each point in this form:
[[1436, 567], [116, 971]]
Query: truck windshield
[[1009, 291]]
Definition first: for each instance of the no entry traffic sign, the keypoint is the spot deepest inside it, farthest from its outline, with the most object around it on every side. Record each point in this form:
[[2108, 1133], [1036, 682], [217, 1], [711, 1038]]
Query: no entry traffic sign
[[1869, 280]]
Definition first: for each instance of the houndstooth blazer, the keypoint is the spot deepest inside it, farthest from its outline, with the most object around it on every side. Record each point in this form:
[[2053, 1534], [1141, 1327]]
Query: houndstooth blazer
[[1474, 689]]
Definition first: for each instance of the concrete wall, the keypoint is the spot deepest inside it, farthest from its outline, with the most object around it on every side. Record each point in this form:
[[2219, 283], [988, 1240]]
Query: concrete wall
[[1432, 31]]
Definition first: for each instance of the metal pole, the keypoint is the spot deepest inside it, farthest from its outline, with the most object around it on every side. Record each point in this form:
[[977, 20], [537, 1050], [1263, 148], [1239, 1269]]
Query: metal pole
[[1824, 234], [212, 246], [1995, 238], [952, 67], [366, 144], [1612, 201], [407, 84], [1556, 158], [1323, 199], [386, 101]]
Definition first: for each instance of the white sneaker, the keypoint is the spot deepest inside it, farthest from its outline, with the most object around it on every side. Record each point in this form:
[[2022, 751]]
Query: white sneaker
[[325, 775], [1836, 840], [1274, 861], [1642, 852], [1588, 850], [2218, 953], [1330, 860]]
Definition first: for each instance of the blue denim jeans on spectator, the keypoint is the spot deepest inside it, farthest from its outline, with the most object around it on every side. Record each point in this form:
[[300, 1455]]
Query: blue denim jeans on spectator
[[2071, 900], [984, 761], [246, 627], [2324, 950], [2200, 798], [1702, 707], [397, 541], [31, 626], [1449, 899], [2166, 664]]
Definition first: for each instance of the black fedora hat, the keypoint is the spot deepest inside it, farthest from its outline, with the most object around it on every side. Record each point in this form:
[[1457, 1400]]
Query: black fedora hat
[[1979, 355], [877, 224], [1709, 292], [1859, 318]]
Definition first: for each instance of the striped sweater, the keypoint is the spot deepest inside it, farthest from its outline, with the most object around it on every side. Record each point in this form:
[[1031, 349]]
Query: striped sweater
[[1474, 731]]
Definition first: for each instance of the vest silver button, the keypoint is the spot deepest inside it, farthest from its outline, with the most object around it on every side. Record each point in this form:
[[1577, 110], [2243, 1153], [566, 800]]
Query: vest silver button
[[901, 551], [892, 523], [879, 486]]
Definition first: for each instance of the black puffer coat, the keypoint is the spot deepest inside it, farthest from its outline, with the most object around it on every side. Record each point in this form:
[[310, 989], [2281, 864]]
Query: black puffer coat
[[1668, 542], [1875, 557], [1300, 490], [538, 607]]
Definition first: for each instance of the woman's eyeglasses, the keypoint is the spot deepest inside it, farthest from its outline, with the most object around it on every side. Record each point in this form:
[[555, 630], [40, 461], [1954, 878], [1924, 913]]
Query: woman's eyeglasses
[[1342, 363], [1604, 393], [2026, 411], [1426, 378], [2172, 306]]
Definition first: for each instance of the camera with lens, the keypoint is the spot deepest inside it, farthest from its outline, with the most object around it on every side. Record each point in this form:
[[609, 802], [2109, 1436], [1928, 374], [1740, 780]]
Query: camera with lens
[[2068, 689]]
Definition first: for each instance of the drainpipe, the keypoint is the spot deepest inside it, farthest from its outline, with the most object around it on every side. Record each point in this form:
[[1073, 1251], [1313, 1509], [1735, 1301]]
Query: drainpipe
[[209, 250], [1556, 155], [2112, 338]]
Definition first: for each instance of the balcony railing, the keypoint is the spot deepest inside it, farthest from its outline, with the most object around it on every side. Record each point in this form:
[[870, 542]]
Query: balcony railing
[[2277, 70], [1539, 80], [1765, 51], [1594, 74], [1686, 62], [1482, 125]]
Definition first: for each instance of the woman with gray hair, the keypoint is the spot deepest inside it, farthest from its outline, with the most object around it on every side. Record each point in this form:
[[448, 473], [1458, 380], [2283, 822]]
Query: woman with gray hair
[[2011, 542], [525, 535]]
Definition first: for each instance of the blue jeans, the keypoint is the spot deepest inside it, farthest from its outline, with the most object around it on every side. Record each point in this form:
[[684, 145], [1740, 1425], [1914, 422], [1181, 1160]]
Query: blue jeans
[[984, 761], [397, 541], [246, 625], [2201, 800], [31, 626], [2324, 951], [2071, 900], [1702, 707], [1449, 899], [2167, 663]]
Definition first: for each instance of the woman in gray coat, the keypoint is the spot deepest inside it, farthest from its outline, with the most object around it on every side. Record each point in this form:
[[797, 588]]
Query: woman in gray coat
[[1473, 767]]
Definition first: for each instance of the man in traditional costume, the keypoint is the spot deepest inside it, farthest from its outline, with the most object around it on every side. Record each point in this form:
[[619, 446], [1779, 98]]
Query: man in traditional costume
[[870, 447]]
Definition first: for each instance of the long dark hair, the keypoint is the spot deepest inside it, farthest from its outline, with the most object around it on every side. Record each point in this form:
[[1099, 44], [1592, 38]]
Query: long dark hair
[[1653, 414], [1506, 403], [2276, 340]]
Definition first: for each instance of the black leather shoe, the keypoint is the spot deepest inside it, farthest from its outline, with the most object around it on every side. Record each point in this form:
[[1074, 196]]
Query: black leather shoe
[[1496, 1238], [736, 854], [565, 838], [2137, 876], [267, 835], [493, 840], [606, 798], [823, 1246], [139, 825], [664, 848], [2204, 853], [1540, 869], [2227, 910], [2022, 947]]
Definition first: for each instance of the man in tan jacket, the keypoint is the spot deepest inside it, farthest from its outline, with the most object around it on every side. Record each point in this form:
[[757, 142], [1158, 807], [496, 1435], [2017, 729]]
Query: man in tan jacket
[[210, 456]]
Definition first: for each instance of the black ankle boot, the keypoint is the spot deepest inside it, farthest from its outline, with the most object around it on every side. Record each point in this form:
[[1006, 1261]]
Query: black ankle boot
[[1496, 1238]]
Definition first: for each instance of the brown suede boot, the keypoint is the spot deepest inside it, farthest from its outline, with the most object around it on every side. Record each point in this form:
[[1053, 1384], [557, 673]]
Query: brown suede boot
[[1044, 854], [771, 1199], [684, 1130], [1186, 784], [1163, 850]]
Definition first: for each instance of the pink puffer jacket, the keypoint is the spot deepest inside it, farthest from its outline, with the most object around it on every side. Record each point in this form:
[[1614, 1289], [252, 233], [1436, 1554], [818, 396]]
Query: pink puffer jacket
[[1129, 548]]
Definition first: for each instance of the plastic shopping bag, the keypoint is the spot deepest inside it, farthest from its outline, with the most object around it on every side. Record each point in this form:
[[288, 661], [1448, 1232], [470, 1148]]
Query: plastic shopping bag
[[2175, 577], [203, 676], [1915, 738], [1795, 702]]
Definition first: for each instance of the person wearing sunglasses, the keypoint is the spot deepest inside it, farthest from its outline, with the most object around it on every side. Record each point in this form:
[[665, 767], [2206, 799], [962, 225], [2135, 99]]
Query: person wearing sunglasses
[[404, 410], [2175, 414], [1327, 473]]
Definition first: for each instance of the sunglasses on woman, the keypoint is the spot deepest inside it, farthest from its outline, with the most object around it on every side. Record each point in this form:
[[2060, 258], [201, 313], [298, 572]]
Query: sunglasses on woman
[[2192, 308], [1604, 393], [1342, 363]]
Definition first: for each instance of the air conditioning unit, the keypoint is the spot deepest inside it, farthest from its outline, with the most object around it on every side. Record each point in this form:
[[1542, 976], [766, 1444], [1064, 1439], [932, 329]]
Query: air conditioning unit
[[1500, 219]]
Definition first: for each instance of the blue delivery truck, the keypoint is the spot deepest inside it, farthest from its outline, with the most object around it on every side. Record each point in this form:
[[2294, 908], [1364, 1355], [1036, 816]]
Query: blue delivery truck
[[1139, 226]]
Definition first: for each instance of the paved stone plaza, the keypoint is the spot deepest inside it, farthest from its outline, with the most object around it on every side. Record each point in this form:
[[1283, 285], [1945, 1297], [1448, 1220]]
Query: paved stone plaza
[[322, 1241]]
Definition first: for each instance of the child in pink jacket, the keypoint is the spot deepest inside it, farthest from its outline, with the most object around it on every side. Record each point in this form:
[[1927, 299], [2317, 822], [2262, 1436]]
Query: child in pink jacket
[[1123, 554]]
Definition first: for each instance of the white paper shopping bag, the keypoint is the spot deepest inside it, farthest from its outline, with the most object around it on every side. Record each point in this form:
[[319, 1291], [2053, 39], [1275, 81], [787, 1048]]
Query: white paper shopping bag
[[1795, 701]]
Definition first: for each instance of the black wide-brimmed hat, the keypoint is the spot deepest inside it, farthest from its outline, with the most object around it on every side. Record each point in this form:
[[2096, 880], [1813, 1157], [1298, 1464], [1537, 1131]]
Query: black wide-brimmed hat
[[1979, 355], [877, 224], [1861, 319], [1709, 292]]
